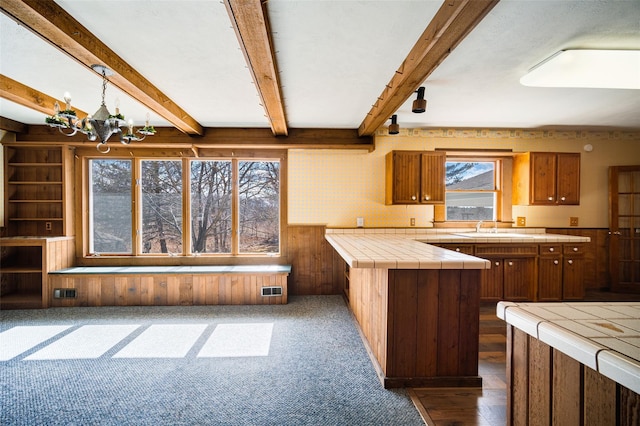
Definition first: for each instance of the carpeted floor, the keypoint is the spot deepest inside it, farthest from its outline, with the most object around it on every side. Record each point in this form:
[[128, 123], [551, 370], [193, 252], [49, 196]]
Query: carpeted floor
[[297, 364]]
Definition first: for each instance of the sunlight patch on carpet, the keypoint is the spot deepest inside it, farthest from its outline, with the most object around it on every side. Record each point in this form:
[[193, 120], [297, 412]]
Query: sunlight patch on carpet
[[163, 341], [238, 340], [87, 342], [20, 339]]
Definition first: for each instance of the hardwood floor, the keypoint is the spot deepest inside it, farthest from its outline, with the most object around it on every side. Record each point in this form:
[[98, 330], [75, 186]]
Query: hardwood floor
[[486, 405]]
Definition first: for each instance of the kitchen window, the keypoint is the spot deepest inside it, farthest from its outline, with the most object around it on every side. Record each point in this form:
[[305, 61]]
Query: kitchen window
[[184, 206]]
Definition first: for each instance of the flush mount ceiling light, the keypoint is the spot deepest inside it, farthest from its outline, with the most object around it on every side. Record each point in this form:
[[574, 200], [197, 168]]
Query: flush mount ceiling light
[[102, 124], [394, 127], [420, 104], [604, 69]]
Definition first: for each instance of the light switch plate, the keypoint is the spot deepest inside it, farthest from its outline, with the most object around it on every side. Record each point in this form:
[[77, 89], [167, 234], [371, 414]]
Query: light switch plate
[[360, 222], [522, 221]]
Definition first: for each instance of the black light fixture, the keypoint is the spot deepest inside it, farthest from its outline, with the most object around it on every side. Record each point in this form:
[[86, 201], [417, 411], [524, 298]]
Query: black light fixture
[[394, 127], [420, 104]]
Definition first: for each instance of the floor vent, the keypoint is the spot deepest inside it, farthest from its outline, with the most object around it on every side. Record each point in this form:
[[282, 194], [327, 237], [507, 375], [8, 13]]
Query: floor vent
[[272, 291], [64, 293]]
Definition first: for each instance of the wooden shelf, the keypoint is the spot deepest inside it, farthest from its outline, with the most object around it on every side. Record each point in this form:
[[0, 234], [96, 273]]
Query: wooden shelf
[[17, 269], [24, 182], [35, 164], [37, 219]]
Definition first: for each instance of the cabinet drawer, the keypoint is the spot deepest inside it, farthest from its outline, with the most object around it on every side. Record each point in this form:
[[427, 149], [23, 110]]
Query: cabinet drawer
[[573, 249], [511, 250], [460, 248], [550, 249]]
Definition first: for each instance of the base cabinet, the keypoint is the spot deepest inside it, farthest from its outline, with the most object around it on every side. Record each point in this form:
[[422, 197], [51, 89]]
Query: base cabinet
[[560, 272], [513, 271]]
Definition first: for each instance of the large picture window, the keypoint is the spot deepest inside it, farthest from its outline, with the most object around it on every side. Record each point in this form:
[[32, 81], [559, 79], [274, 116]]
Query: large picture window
[[184, 207], [110, 200]]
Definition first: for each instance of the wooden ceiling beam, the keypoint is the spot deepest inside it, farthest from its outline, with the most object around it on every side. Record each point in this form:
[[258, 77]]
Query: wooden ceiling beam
[[29, 97], [60, 29], [452, 23], [10, 125], [250, 21]]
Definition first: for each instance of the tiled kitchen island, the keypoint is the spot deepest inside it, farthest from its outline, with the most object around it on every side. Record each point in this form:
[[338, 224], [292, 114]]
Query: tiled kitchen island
[[573, 363], [417, 306]]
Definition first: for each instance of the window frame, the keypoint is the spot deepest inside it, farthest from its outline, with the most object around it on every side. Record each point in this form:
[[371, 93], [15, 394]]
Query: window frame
[[503, 184], [137, 156]]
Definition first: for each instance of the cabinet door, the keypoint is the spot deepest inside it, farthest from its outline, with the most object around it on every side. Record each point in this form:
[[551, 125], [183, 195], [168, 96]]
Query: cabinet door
[[543, 178], [491, 288], [406, 177], [568, 177], [550, 278], [433, 175], [573, 278], [518, 278]]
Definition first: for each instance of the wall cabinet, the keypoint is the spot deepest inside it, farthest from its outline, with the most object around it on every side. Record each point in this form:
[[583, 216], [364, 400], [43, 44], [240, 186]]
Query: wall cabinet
[[415, 177], [546, 178], [39, 182], [26, 263]]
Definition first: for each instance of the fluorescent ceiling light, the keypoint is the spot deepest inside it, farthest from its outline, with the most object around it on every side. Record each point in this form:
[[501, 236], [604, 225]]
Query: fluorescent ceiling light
[[604, 69]]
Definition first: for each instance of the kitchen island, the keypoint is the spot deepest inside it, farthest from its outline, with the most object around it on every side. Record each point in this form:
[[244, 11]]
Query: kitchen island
[[417, 306], [573, 363]]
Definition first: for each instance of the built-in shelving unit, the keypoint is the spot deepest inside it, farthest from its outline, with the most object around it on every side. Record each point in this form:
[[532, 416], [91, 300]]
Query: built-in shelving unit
[[26, 262], [38, 184]]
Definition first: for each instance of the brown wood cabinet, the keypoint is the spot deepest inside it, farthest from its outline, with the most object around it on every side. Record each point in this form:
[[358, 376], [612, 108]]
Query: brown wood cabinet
[[513, 271], [39, 190], [561, 272], [415, 177], [546, 178]]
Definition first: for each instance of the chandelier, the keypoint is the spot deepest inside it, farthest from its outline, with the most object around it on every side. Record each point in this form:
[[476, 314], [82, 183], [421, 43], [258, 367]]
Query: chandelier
[[101, 125]]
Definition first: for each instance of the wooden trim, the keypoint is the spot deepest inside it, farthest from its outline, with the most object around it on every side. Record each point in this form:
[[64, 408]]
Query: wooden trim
[[53, 24], [215, 138], [251, 24], [451, 24]]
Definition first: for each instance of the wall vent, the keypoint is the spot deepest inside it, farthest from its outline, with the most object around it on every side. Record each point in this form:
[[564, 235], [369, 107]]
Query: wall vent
[[272, 291], [64, 293]]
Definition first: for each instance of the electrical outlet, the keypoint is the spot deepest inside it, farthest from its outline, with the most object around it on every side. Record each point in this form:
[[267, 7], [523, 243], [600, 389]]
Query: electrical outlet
[[573, 221], [413, 221], [522, 221], [48, 226], [360, 222]]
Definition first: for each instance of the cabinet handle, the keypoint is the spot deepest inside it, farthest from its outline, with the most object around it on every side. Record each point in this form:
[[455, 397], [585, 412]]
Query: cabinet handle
[[550, 198], [427, 198], [551, 248], [555, 262], [457, 248], [570, 262], [563, 198], [497, 263], [575, 249], [413, 197], [510, 263]]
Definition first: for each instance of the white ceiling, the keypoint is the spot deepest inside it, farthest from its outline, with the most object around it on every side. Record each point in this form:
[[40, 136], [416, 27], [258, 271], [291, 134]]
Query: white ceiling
[[335, 58]]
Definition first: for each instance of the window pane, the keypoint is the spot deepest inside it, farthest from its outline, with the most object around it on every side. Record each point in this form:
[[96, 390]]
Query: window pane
[[259, 197], [110, 206], [211, 206], [462, 175], [470, 205], [161, 206]]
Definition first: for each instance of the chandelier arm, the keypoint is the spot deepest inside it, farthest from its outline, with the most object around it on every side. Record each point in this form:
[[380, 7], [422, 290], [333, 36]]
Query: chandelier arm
[[106, 151]]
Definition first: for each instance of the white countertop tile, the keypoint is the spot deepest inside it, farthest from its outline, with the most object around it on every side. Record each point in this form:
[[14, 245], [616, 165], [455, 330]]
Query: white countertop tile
[[577, 347], [620, 368]]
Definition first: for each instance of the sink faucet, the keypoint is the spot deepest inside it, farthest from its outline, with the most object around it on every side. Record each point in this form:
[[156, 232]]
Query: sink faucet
[[478, 225]]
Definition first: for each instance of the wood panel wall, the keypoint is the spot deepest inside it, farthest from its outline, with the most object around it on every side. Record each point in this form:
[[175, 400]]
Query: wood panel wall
[[547, 387], [167, 289], [311, 260]]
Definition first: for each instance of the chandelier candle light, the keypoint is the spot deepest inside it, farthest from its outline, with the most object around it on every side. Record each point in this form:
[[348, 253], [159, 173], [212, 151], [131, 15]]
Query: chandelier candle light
[[102, 124]]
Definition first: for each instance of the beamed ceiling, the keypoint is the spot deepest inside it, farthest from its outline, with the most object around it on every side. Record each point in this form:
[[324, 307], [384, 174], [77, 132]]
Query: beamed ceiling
[[289, 67]]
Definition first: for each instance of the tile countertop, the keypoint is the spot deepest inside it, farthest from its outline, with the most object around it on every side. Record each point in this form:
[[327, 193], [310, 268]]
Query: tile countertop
[[604, 336], [409, 248]]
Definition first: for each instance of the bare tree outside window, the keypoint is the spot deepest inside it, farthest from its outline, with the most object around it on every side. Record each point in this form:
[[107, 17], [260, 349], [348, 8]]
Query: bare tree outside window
[[110, 206], [259, 193], [161, 206], [211, 186]]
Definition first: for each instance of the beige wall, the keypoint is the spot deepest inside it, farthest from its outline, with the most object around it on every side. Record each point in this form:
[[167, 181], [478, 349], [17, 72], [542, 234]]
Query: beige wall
[[333, 187]]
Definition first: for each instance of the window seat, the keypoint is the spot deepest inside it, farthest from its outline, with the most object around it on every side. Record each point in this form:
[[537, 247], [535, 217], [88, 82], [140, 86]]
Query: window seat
[[168, 285]]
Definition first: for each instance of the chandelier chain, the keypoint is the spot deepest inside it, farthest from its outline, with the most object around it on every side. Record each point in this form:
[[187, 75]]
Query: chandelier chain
[[104, 84]]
